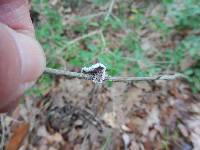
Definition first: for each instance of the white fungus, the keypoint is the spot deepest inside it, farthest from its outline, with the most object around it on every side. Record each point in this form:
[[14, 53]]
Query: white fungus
[[97, 72]]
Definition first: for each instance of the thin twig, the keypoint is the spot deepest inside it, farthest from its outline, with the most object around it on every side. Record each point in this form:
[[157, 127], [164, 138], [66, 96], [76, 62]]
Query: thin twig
[[93, 15], [110, 9], [66, 73], [84, 36], [152, 78], [109, 78]]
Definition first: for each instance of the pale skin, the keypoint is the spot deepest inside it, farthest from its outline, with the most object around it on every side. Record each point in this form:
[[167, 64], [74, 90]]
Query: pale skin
[[22, 59]]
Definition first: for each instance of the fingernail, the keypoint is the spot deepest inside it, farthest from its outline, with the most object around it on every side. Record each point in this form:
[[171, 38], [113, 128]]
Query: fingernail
[[10, 68], [32, 56]]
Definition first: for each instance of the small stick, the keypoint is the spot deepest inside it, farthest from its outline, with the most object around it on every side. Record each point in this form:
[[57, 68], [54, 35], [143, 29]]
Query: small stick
[[84, 36], [66, 73], [152, 78], [109, 78], [110, 9]]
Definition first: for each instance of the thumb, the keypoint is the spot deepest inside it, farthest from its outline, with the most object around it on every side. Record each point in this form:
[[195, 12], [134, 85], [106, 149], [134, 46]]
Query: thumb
[[22, 61]]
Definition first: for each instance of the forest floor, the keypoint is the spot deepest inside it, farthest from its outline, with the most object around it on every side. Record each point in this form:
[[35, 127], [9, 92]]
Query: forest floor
[[74, 114]]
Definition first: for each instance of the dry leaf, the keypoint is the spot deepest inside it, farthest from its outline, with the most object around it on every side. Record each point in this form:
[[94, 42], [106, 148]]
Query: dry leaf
[[19, 133], [195, 138], [68, 146], [134, 145], [110, 119], [152, 119], [135, 125], [126, 140], [125, 128], [194, 126], [183, 130], [148, 145], [152, 134]]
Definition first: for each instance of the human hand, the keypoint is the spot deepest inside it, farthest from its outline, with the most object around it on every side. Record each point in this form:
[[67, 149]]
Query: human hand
[[22, 59]]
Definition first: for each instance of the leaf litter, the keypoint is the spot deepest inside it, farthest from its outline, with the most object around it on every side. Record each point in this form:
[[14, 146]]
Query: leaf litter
[[130, 119]]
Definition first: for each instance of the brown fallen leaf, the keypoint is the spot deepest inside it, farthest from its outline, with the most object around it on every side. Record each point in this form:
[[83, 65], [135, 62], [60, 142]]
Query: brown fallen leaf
[[68, 146], [19, 133], [140, 113], [148, 145], [110, 119], [134, 145], [125, 128], [184, 130], [135, 125]]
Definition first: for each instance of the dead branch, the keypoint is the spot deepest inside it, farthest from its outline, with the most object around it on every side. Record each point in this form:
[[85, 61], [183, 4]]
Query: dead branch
[[70, 74]]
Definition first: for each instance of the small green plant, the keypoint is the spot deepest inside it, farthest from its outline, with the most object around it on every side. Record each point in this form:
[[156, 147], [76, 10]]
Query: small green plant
[[186, 14]]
